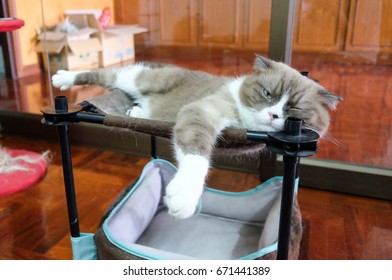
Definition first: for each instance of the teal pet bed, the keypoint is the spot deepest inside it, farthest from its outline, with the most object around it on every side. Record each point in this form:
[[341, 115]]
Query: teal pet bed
[[228, 225]]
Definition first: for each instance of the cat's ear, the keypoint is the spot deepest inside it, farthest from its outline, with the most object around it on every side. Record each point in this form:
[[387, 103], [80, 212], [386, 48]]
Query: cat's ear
[[261, 63], [331, 99]]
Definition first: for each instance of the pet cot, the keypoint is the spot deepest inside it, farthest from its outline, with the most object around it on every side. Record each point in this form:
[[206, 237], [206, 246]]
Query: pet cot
[[262, 223]]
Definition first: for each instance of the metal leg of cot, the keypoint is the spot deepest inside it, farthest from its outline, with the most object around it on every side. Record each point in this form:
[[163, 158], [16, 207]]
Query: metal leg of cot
[[293, 143], [153, 148], [286, 206], [69, 180], [62, 116]]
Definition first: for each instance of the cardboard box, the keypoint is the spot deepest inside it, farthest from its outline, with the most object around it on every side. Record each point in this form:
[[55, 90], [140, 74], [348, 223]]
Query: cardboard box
[[117, 40], [74, 51], [117, 45]]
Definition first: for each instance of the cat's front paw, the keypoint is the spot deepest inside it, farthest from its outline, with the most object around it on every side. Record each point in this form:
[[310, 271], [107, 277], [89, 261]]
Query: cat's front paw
[[135, 112], [182, 196], [63, 79]]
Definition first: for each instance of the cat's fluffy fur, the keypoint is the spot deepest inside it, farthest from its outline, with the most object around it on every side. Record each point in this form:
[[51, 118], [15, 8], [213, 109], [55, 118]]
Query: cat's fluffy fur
[[202, 105]]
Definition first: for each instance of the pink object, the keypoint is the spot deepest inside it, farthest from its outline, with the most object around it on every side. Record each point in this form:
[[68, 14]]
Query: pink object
[[105, 18], [18, 180], [9, 24]]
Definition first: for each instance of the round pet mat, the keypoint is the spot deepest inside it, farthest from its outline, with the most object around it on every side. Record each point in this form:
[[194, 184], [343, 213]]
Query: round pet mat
[[17, 180]]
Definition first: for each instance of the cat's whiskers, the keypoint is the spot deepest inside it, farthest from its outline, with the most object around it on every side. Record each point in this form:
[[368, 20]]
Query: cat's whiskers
[[312, 129], [328, 137]]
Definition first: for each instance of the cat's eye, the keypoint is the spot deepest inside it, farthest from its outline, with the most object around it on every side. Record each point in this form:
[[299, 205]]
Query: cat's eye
[[295, 108], [266, 93]]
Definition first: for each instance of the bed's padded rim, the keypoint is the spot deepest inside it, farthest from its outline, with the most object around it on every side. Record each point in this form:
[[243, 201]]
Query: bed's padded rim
[[295, 238]]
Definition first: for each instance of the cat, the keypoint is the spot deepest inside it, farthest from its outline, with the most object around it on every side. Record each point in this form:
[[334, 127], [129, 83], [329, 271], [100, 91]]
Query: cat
[[202, 105]]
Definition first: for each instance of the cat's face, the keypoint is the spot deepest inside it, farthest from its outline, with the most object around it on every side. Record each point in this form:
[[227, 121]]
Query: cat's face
[[276, 91]]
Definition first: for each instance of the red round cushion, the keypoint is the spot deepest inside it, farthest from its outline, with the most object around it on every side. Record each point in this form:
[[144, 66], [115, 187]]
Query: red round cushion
[[21, 179], [9, 24]]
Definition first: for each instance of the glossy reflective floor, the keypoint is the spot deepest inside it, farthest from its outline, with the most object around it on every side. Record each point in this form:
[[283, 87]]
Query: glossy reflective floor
[[361, 128], [34, 223]]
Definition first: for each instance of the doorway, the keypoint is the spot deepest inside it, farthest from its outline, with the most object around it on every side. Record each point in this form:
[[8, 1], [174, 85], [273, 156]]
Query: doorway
[[7, 65]]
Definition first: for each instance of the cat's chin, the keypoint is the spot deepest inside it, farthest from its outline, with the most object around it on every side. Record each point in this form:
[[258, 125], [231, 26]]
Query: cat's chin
[[266, 125], [268, 128]]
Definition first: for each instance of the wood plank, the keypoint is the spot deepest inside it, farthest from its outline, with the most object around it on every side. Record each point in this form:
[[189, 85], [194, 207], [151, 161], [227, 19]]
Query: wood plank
[[257, 24], [370, 26], [320, 25], [177, 22], [220, 22]]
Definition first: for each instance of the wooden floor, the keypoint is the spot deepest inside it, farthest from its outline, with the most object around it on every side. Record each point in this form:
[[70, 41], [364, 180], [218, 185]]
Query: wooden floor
[[33, 222]]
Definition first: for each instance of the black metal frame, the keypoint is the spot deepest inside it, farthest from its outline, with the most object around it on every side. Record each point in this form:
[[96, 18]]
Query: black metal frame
[[292, 143]]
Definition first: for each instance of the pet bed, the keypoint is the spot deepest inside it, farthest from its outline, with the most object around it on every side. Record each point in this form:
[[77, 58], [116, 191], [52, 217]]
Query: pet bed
[[263, 223], [139, 227]]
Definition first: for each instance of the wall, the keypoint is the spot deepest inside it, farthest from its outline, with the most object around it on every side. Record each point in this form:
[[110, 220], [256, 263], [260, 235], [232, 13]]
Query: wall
[[30, 12]]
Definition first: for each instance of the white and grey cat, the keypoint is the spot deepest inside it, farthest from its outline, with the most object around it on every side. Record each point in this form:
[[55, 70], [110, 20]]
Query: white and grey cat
[[202, 105]]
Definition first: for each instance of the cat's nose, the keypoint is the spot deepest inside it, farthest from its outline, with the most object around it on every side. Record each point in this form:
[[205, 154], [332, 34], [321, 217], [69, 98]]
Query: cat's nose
[[273, 116]]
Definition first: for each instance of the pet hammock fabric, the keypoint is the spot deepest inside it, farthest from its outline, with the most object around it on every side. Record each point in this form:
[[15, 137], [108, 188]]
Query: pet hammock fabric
[[114, 105], [138, 226]]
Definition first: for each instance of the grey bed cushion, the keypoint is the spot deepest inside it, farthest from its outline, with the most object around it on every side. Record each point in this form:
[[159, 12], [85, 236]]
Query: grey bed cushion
[[228, 225]]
